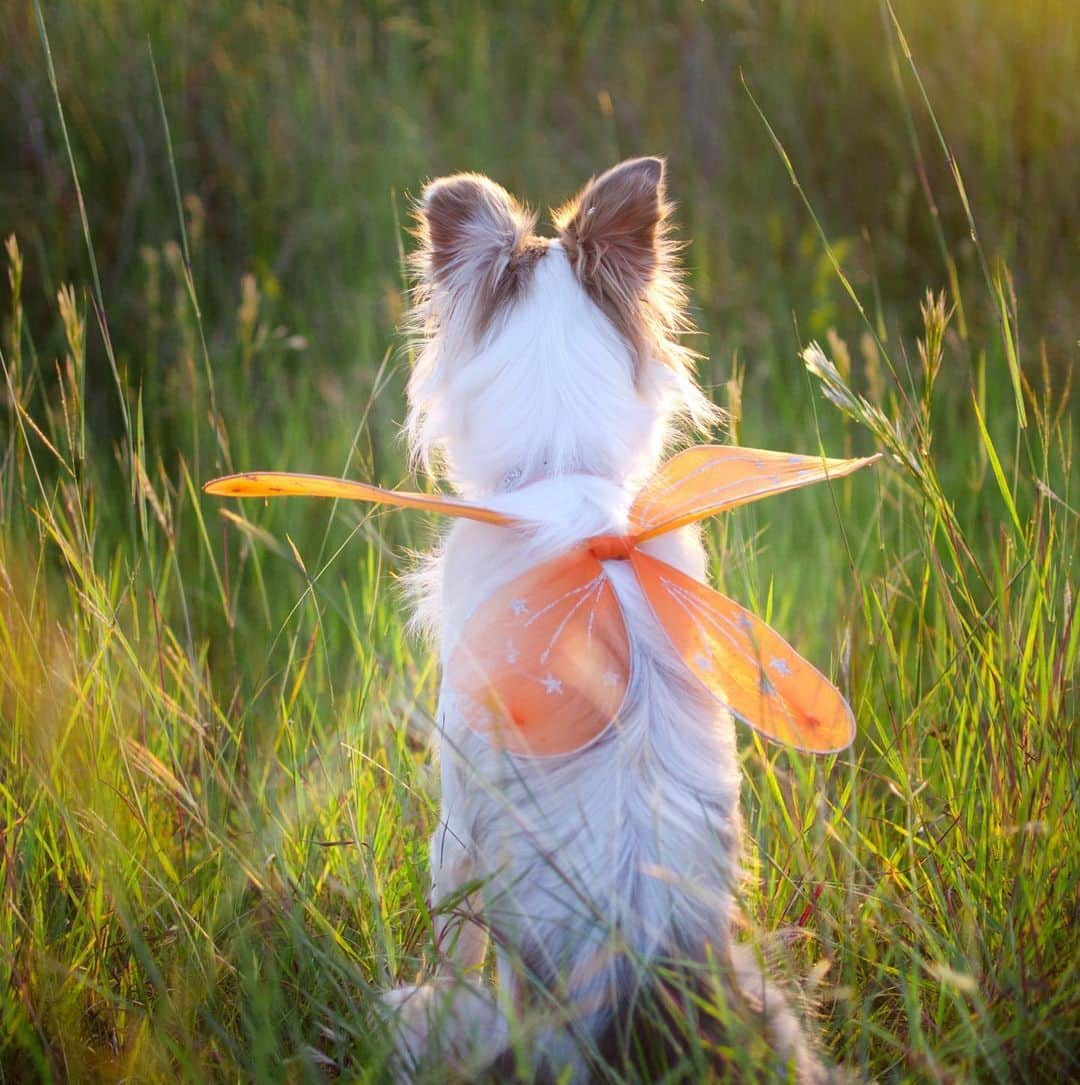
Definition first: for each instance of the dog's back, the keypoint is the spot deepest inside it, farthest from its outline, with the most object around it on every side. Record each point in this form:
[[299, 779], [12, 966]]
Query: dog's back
[[623, 843]]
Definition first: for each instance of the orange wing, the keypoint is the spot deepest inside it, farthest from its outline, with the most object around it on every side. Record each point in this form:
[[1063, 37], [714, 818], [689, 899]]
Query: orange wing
[[543, 666], [744, 663], [287, 484], [707, 479]]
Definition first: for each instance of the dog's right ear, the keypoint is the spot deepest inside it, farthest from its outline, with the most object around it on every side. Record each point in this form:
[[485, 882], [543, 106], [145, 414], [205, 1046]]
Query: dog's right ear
[[615, 235], [475, 239], [613, 231]]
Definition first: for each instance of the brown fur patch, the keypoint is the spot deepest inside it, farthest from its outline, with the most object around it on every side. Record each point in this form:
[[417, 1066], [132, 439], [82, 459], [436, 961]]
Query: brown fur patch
[[512, 282], [615, 233], [476, 238]]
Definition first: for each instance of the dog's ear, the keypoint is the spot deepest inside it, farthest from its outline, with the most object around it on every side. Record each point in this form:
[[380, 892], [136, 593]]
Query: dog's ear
[[614, 233], [612, 230], [475, 239]]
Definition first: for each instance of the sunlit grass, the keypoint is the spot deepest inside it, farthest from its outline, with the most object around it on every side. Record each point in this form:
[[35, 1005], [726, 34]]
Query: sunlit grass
[[216, 786]]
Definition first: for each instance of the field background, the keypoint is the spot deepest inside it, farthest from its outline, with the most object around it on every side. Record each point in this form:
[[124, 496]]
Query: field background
[[215, 776]]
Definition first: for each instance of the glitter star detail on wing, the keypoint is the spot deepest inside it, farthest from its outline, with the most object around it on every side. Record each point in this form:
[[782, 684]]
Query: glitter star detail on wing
[[557, 633]]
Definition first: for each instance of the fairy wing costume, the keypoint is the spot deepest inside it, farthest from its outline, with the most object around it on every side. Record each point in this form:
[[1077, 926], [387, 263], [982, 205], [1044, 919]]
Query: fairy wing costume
[[544, 664]]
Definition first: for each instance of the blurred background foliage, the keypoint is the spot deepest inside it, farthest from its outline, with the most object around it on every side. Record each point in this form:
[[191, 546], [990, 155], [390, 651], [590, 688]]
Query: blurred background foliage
[[215, 769], [301, 128]]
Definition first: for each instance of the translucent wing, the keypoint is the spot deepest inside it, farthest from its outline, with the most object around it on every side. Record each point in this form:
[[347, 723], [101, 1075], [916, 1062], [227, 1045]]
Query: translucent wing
[[287, 484], [543, 666], [707, 479], [744, 663]]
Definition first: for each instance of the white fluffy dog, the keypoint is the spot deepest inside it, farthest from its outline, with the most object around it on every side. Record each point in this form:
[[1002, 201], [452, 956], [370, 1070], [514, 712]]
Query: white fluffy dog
[[548, 382]]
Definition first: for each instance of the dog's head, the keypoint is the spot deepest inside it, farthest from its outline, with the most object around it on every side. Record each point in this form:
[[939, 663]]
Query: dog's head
[[541, 356]]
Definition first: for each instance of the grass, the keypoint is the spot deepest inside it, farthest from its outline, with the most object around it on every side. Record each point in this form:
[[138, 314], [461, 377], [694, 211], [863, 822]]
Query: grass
[[216, 784]]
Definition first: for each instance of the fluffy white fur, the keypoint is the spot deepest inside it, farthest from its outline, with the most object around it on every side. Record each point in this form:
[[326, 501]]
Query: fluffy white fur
[[587, 866]]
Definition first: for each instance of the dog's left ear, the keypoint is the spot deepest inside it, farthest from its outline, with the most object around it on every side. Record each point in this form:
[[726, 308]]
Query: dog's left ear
[[612, 230]]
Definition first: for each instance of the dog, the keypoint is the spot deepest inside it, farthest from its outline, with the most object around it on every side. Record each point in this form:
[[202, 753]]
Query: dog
[[550, 376]]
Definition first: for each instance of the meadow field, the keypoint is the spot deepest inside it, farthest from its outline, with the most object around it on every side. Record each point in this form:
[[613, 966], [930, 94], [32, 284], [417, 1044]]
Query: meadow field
[[216, 774]]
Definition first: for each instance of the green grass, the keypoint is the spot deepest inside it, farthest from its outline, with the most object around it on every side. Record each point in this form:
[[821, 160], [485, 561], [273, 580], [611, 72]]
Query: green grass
[[216, 784]]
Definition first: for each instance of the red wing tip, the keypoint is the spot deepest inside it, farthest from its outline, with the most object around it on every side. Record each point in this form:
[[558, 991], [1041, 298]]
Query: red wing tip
[[824, 751], [218, 485], [813, 723], [800, 742], [223, 486], [816, 751]]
